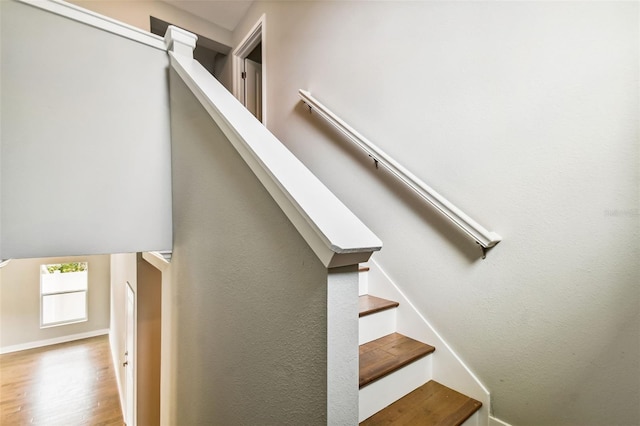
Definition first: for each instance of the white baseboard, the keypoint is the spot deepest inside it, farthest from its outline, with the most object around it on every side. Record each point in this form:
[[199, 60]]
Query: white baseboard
[[56, 340], [497, 422]]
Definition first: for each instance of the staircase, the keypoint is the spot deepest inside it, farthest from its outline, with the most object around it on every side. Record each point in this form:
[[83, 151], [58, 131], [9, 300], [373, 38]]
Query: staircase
[[396, 385]]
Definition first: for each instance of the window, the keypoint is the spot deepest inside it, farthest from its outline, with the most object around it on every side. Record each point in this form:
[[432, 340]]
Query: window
[[63, 293]]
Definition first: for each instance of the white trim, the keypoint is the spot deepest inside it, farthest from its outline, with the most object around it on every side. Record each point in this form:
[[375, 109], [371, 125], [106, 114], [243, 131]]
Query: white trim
[[4, 263], [332, 231], [448, 368], [53, 341], [497, 422], [257, 34], [132, 364], [472, 228], [96, 20], [180, 41], [156, 259]]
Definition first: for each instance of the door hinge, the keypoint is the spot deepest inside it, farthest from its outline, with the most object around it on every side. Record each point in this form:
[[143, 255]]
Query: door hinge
[[244, 75]]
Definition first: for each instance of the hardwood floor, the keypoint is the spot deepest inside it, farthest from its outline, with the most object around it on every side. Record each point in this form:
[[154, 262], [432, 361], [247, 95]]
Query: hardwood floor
[[67, 384]]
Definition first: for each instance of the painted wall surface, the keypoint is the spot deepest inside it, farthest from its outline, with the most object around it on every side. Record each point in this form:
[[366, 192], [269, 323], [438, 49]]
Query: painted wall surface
[[85, 139], [20, 301], [149, 318], [249, 296], [123, 271], [525, 115], [137, 13]]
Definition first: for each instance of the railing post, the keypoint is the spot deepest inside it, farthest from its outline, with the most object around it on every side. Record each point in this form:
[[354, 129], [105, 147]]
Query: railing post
[[179, 41], [342, 345]]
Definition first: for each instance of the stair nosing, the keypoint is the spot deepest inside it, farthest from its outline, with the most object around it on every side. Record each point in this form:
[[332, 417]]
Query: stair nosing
[[390, 304], [456, 417], [394, 366]]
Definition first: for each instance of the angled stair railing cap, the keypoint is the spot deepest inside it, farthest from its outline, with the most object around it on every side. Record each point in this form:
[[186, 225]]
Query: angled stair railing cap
[[331, 230], [4, 262], [486, 239], [179, 41]]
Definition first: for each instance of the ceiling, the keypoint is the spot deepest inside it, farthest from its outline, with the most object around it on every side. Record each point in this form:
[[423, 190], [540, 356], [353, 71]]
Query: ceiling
[[225, 13]]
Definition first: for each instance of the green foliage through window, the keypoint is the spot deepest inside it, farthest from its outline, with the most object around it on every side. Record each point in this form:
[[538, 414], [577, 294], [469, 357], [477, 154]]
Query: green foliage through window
[[67, 267]]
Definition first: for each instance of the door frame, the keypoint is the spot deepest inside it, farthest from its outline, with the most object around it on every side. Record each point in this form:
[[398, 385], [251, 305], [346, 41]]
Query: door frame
[[131, 354], [255, 36], [253, 86]]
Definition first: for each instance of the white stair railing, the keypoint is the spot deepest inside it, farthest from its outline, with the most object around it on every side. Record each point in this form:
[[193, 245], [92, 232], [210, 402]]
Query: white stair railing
[[486, 239]]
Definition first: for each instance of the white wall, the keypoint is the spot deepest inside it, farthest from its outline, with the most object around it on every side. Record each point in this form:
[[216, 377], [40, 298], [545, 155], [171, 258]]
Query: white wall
[[249, 297], [20, 303], [523, 114], [85, 139]]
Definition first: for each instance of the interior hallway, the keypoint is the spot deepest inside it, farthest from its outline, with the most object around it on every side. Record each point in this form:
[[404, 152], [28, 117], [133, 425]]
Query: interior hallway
[[67, 384]]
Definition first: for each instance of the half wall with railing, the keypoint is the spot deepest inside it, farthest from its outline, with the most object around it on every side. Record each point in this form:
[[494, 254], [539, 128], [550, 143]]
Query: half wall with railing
[[121, 147]]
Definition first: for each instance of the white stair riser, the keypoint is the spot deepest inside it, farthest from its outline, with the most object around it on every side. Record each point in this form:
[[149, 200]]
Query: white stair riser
[[473, 420], [449, 368], [389, 389], [363, 283], [376, 325]]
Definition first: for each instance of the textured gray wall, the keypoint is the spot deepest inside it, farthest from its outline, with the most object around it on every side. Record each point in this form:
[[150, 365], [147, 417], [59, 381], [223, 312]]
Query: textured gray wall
[[250, 297]]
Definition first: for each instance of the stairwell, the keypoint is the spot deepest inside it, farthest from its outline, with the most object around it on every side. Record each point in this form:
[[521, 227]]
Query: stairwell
[[396, 385]]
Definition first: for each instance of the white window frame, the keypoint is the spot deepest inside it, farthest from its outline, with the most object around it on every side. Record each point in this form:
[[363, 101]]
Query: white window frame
[[43, 294]]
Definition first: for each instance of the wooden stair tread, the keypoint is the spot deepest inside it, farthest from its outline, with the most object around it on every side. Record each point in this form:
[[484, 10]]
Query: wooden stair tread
[[432, 404], [371, 304], [388, 354]]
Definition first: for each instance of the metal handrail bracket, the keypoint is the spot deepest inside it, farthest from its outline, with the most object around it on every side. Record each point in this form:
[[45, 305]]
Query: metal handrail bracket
[[486, 239]]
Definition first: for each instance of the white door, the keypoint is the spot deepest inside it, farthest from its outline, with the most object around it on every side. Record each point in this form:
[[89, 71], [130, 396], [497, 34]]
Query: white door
[[253, 87], [129, 358]]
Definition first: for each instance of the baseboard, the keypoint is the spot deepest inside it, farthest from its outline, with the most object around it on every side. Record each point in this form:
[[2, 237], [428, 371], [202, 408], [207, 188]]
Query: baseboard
[[56, 340], [497, 422]]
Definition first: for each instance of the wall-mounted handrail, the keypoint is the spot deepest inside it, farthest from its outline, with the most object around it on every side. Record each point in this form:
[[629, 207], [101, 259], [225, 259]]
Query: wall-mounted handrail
[[482, 236]]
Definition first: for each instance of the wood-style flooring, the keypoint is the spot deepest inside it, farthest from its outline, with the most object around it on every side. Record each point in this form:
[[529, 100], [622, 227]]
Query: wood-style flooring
[[67, 384]]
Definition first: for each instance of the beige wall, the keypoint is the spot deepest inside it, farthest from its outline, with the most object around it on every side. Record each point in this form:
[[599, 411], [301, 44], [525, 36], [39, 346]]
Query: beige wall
[[525, 115], [20, 301], [149, 317], [137, 14]]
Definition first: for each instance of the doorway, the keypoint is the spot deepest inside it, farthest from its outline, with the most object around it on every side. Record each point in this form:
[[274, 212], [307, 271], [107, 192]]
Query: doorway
[[252, 76], [130, 358], [249, 71]]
